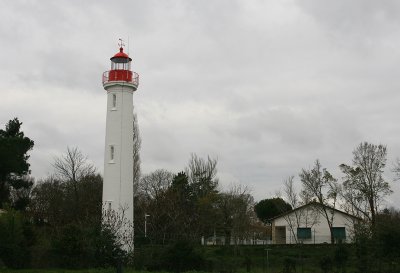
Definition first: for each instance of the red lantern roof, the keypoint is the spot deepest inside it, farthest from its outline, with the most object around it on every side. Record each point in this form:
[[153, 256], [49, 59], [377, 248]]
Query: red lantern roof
[[121, 54]]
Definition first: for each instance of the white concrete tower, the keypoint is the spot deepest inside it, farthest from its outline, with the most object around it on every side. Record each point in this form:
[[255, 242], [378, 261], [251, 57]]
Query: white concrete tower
[[120, 83]]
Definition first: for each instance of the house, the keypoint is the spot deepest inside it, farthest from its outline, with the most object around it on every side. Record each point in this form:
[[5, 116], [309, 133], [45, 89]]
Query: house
[[308, 225]]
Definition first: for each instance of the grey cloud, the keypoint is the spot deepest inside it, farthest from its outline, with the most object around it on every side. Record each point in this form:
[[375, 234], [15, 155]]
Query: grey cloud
[[265, 86]]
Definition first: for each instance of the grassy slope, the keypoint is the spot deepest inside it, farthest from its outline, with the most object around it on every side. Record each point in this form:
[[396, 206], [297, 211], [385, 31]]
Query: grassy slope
[[306, 257], [242, 258]]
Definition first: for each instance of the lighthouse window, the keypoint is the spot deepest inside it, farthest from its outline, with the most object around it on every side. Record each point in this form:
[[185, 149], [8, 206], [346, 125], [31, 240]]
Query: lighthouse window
[[114, 100], [112, 153], [108, 206]]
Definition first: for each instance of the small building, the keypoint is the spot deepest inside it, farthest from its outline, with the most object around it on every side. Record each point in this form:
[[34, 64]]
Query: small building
[[308, 225]]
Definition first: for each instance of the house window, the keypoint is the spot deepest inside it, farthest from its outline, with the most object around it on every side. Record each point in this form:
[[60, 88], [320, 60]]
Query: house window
[[339, 233], [114, 100], [304, 233], [112, 152]]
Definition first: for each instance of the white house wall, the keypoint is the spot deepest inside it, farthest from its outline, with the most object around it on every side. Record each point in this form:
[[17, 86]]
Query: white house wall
[[320, 232]]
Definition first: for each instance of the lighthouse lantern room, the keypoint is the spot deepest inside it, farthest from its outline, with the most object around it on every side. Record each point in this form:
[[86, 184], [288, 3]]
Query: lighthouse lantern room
[[121, 70], [120, 83]]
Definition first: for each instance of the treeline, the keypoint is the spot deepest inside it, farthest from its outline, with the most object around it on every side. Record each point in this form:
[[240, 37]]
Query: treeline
[[189, 205], [56, 222], [361, 192], [59, 221]]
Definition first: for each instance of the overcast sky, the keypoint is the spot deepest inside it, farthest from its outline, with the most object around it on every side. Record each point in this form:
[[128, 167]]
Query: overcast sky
[[267, 87]]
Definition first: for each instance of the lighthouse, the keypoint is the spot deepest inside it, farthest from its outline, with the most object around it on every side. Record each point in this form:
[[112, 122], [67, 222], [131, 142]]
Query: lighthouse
[[120, 83]]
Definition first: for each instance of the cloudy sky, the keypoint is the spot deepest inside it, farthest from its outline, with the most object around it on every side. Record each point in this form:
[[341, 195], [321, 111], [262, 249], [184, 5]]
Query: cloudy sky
[[267, 87]]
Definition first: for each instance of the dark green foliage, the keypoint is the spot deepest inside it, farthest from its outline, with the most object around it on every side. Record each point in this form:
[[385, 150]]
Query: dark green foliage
[[178, 257], [180, 184], [341, 257], [53, 201], [229, 259], [190, 207], [107, 251], [289, 265], [388, 234], [377, 247], [181, 257], [247, 263], [16, 239], [14, 166], [74, 238], [326, 264], [269, 208], [364, 248], [91, 246], [70, 248]]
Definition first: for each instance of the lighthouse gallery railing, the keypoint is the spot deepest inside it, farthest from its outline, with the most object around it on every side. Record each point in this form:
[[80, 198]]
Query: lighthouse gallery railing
[[121, 75]]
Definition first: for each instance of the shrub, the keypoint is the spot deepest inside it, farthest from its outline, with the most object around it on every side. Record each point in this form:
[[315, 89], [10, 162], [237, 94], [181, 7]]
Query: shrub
[[341, 257], [14, 240], [182, 256], [289, 265], [326, 264]]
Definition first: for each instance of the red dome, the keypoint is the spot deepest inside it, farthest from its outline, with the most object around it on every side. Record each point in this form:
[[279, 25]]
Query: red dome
[[121, 54]]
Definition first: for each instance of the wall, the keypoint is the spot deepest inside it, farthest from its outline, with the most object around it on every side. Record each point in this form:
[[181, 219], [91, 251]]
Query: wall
[[311, 217]]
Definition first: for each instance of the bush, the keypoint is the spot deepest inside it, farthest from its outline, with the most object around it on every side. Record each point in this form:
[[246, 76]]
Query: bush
[[289, 265], [326, 264], [182, 256], [341, 257], [178, 257], [70, 248], [107, 251], [15, 240]]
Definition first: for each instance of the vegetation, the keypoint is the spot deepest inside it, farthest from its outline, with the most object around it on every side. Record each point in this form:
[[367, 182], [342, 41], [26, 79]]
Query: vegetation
[[271, 207], [189, 205], [320, 185], [364, 187], [59, 221], [290, 258], [14, 167]]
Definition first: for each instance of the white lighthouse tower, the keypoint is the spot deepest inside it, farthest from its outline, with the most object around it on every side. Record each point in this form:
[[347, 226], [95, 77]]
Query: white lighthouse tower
[[120, 83]]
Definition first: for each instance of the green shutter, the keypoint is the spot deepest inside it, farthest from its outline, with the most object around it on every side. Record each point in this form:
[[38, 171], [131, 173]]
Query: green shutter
[[304, 233], [339, 233]]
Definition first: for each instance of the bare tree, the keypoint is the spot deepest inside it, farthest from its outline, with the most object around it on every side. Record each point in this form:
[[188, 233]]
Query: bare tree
[[53, 201], [156, 183], [202, 175], [243, 205], [71, 168], [236, 211], [306, 217], [293, 220], [320, 184], [116, 223], [364, 186], [396, 169], [290, 192]]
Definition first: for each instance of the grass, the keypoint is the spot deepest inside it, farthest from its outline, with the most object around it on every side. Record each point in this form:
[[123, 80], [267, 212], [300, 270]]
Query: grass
[[240, 259], [109, 270]]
